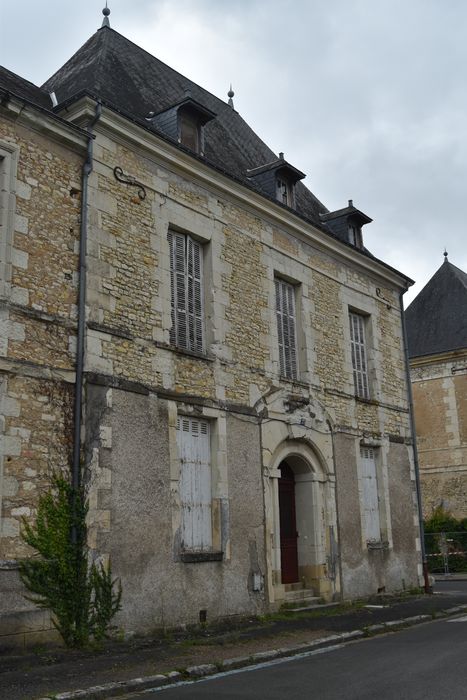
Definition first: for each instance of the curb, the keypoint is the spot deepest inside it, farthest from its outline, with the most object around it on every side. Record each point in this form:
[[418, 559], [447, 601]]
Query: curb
[[111, 690]]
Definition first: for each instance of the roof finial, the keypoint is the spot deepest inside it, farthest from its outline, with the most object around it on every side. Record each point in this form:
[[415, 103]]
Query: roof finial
[[106, 13], [445, 255], [230, 94]]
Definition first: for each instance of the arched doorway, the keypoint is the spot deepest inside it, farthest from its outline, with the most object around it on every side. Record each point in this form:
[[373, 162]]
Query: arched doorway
[[288, 525]]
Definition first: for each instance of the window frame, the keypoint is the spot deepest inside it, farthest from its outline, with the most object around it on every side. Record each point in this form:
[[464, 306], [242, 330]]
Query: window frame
[[285, 318], [196, 529], [359, 354], [187, 331], [9, 154]]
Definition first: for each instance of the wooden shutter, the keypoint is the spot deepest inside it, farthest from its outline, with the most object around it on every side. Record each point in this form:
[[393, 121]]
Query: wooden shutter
[[371, 515], [195, 483], [358, 348], [195, 294], [286, 328], [186, 271]]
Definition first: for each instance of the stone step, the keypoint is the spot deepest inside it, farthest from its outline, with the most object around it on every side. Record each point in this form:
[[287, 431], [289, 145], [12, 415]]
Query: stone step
[[294, 586], [301, 594]]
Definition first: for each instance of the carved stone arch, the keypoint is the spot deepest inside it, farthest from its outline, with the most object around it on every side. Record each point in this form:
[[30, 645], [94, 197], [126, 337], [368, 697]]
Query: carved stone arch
[[303, 456]]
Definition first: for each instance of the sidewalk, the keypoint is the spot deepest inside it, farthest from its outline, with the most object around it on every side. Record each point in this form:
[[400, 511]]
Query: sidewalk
[[232, 644]]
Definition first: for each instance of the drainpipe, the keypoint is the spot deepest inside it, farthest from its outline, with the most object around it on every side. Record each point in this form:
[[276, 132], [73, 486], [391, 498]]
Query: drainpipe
[[427, 586], [78, 404]]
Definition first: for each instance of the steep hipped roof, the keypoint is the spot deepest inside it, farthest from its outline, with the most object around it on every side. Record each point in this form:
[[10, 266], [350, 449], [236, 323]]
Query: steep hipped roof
[[127, 77], [437, 318]]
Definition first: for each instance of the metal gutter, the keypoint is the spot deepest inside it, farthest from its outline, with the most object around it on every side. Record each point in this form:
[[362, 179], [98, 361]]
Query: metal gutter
[[426, 580], [78, 403]]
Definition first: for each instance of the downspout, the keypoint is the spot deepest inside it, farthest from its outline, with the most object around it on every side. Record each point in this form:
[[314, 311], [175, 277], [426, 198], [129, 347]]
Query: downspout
[[426, 579], [78, 403]]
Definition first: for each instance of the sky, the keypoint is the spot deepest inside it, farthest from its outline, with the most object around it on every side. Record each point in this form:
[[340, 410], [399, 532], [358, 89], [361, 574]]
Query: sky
[[368, 97]]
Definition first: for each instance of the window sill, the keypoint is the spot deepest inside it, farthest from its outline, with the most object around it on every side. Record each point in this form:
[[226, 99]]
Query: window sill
[[377, 545], [369, 402], [198, 557], [183, 351]]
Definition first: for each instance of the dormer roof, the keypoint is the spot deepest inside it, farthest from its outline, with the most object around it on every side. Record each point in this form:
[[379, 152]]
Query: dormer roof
[[279, 164]]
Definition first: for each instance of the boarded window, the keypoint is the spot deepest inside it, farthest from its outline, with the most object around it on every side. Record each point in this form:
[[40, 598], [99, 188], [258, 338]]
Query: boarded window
[[186, 271], [195, 483], [359, 360], [286, 328], [190, 132], [370, 505]]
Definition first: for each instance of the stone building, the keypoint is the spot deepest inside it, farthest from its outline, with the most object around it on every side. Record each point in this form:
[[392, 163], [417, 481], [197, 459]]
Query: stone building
[[244, 422], [437, 340]]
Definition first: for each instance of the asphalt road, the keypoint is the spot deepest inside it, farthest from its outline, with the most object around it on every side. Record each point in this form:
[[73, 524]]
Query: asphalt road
[[425, 662]]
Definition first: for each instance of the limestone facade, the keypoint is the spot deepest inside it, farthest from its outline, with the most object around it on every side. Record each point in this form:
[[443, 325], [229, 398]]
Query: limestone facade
[[138, 385], [439, 384]]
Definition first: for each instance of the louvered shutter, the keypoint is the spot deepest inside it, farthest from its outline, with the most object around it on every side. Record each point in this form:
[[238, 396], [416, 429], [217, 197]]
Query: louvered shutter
[[195, 295], [195, 483], [358, 349], [186, 272], [286, 328], [371, 515]]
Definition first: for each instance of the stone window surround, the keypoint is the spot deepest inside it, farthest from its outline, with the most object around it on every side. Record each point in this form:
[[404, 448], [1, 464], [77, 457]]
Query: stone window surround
[[219, 480], [9, 154], [381, 448], [359, 303], [281, 270]]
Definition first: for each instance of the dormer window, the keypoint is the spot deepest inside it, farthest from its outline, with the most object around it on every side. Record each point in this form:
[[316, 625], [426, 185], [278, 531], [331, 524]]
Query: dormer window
[[190, 132], [346, 224], [184, 122], [355, 235], [284, 191], [277, 180]]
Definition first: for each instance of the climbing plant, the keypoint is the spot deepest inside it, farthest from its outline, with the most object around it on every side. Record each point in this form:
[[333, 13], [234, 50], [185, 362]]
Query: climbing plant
[[82, 597]]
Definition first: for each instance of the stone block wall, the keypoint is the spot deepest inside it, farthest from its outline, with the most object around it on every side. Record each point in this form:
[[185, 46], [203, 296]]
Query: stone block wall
[[440, 400]]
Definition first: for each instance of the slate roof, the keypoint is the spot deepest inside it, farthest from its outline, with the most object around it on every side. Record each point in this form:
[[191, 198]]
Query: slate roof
[[133, 81], [437, 318], [19, 86], [128, 79]]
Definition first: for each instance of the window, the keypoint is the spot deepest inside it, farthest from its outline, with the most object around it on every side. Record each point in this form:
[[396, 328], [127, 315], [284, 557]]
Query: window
[[186, 272], [354, 235], [359, 355], [190, 132], [286, 328], [370, 499], [193, 444], [284, 191]]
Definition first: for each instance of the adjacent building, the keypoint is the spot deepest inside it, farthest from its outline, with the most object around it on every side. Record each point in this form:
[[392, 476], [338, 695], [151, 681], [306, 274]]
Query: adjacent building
[[244, 426], [437, 339]]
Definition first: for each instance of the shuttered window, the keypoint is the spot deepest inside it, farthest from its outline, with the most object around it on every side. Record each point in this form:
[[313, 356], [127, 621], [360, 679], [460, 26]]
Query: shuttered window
[[359, 358], [195, 483], [186, 280], [371, 513], [286, 328]]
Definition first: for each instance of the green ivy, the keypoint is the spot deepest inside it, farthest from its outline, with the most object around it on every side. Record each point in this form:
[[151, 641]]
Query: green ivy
[[82, 597]]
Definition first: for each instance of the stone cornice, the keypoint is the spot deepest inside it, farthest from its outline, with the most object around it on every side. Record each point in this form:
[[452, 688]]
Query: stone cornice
[[438, 358], [121, 128], [32, 116]]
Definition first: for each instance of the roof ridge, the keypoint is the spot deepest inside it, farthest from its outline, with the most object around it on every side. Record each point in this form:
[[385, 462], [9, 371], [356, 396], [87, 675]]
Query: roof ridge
[[460, 274], [166, 65]]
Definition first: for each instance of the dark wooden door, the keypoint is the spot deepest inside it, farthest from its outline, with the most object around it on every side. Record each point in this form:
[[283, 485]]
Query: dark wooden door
[[288, 524]]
